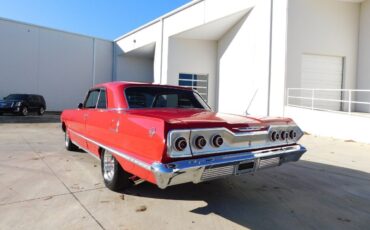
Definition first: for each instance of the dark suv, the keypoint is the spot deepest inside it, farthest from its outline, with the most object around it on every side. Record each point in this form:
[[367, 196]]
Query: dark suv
[[23, 104]]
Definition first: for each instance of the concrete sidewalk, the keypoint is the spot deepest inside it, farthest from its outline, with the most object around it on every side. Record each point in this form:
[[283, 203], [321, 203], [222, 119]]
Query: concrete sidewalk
[[43, 186]]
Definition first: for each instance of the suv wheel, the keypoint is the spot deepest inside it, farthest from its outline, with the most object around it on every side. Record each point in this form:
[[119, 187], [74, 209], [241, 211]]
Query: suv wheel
[[24, 111], [41, 111], [115, 178]]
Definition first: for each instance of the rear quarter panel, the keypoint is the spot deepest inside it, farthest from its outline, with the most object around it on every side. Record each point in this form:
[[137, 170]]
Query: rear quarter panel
[[142, 138]]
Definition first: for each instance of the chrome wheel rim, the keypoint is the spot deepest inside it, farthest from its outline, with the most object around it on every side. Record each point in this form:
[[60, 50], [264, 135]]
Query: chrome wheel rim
[[108, 166], [42, 110], [25, 111], [66, 139]]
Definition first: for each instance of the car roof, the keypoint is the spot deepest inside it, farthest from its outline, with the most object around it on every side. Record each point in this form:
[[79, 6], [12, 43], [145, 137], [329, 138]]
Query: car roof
[[126, 84], [25, 94]]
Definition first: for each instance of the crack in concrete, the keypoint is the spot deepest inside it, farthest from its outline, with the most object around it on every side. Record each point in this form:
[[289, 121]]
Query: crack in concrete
[[61, 181]]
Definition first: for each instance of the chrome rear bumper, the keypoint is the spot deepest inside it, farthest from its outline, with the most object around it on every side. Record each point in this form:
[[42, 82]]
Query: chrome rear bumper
[[208, 168]]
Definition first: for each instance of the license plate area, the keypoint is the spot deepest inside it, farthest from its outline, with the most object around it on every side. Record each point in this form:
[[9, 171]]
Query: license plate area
[[245, 167]]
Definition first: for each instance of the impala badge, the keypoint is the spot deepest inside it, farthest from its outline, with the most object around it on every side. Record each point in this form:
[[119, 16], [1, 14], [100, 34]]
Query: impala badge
[[151, 132]]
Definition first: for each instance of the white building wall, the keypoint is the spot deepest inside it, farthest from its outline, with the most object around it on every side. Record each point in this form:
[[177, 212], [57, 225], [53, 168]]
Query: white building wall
[[131, 68], [337, 125], [328, 27], [243, 55], [278, 57], [18, 58], [103, 61], [142, 37], [363, 74], [237, 63], [55, 64], [197, 15], [194, 57]]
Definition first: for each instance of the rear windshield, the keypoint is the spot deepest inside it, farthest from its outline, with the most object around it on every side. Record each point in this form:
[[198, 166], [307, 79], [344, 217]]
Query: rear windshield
[[16, 97], [161, 97]]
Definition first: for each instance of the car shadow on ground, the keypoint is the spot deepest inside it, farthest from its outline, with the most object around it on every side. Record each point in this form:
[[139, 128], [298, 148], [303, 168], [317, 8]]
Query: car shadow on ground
[[30, 119], [302, 195]]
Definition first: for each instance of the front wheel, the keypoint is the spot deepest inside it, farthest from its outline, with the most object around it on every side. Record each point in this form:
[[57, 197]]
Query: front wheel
[[115, 178], [68, 143]]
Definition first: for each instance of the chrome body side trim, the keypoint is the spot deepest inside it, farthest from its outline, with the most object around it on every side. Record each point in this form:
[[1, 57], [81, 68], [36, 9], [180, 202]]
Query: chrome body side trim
[[121, 154], [90, 153]]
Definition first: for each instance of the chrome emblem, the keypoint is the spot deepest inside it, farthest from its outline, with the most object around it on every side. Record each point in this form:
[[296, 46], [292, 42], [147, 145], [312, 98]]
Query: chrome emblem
[[117, 126], [250, 129], [152, 132]]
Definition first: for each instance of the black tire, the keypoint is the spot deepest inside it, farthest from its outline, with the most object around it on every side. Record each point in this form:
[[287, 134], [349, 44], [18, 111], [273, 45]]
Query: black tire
[[119, 179], [24, 111], [41, 111], [68, 143]]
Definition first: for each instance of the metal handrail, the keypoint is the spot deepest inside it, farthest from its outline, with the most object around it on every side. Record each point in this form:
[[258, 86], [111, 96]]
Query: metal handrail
[[314, 98]]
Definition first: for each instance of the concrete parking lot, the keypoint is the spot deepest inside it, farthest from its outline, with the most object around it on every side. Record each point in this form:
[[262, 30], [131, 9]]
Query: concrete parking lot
[[43, 186]]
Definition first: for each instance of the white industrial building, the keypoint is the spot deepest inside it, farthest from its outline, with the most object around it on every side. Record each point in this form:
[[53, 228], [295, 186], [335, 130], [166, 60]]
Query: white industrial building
[[308, 59]]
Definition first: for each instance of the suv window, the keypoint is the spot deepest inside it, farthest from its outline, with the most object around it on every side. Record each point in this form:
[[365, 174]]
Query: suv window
[[33, 99], [102, 103], [91, 99], [38, 99]]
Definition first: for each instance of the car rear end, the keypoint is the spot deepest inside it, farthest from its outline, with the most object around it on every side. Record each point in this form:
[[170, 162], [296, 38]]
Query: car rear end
[[202, 154]]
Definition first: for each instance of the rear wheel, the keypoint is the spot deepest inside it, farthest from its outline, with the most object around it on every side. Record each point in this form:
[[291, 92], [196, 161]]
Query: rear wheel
[[24, 111], [115, 178], [41, 111], [68, 143]]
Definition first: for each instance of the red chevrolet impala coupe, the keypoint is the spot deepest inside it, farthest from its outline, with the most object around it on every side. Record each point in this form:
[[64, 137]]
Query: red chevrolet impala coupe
[[168, 135]]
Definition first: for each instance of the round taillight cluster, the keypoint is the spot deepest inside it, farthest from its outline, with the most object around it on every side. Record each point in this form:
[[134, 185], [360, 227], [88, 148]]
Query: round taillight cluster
[[282, 135], [180, 144], [292, 134], [200, 142], [217, 141]]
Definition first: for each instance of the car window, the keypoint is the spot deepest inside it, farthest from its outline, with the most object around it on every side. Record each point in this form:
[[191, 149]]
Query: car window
[[162, 97], [91, 99], [102, 103], [35, 99], [38, 99], [31, 99], [16, 97]]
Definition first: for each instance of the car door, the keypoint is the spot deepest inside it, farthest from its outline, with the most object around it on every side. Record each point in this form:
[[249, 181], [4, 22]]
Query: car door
[[78, 122], [102, 124]]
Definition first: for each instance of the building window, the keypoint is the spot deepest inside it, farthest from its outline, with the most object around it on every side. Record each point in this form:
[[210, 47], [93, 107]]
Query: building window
[[198, 82]]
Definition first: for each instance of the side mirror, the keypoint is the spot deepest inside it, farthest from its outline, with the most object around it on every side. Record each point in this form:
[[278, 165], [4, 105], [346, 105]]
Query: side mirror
[[80, 105]]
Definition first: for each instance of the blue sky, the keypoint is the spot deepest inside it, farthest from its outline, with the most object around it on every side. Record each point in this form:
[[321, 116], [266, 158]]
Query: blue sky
[[107, 19]]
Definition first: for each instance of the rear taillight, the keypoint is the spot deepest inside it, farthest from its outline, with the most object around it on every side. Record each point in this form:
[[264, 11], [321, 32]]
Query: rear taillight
[[180, 144], [200, 142], [217, 141], [292, 134]]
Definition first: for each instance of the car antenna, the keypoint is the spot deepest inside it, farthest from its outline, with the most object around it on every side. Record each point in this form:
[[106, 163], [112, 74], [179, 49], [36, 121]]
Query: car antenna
[[250, 103]]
